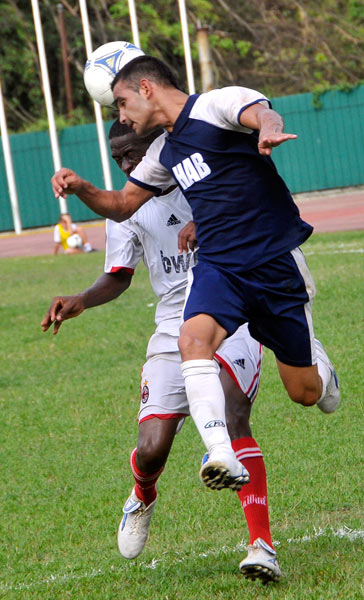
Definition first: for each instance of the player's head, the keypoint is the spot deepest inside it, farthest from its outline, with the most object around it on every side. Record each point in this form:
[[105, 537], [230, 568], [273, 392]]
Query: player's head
[[128, 149], [138, 90], [64, 218], [145, 67]]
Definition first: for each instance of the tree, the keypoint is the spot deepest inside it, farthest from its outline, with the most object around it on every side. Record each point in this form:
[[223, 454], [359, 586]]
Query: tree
[[277, 46]]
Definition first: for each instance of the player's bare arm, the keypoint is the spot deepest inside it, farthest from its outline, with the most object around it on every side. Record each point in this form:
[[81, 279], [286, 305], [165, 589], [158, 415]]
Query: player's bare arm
[[270, 125], [116, 205], [106, 288], [187, 238]]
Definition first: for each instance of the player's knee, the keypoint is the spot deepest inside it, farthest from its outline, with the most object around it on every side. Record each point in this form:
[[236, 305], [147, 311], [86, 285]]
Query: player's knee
[[191, 347], [304, 396]]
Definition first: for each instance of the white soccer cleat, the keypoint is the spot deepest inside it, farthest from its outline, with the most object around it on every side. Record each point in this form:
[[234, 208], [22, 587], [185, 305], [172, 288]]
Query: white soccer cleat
[[331, 399], [261, 563], [219, 471], [134, 526]]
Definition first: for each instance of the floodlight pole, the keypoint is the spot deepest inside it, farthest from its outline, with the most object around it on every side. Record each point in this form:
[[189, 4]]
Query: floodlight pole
[[47, 95], [134, 23], [186, 45], [97, 107], [9, 165]]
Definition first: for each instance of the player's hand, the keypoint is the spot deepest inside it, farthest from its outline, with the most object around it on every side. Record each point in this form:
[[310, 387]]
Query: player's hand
[[62, 308], [187, 238], [268, 142], [65, 182]]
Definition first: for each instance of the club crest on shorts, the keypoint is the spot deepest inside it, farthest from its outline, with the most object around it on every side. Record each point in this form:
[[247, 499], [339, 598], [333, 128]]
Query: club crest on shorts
[[145, 392]]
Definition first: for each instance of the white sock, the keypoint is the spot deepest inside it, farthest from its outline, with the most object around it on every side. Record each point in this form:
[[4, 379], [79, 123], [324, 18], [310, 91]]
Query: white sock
[[207, 403], [87, 247], [323, 366]]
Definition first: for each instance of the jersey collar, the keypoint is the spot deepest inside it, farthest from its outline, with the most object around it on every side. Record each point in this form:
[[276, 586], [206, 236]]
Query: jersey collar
[[184, 114]]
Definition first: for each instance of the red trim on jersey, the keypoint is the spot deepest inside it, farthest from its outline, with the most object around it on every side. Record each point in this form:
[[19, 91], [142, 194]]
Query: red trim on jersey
[[164, 416], [127, 269]]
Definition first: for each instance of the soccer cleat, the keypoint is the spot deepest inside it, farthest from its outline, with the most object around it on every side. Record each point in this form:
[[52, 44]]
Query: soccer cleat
[[134, 526], [330, 401], [261, 563], [219, 472]]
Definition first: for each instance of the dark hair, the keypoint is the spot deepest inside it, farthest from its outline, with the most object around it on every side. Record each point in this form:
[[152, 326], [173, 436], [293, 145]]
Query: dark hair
[[147, 67], [118, 129]]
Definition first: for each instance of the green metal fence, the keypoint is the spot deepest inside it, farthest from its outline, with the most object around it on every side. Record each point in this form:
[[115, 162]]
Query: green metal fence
[[329, 153], [33, 167]]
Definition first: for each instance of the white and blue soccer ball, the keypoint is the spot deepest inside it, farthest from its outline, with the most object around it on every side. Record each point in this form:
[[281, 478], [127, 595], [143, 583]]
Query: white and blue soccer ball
[[102, 66]]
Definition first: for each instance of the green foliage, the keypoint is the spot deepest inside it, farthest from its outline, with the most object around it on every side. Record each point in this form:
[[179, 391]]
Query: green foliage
[[279, 48]]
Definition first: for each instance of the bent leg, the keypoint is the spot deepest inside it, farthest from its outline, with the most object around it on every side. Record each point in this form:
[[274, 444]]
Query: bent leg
[[82, 233], [200, 336], [317, 384], [303, 384]]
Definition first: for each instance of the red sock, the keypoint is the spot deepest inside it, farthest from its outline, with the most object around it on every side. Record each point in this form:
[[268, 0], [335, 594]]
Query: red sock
[[145, 487], [253, 495]]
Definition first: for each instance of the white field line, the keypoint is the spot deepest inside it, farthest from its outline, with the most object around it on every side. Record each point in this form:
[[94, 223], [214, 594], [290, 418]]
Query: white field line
[[329, 252], [333, 248], [342, 532]]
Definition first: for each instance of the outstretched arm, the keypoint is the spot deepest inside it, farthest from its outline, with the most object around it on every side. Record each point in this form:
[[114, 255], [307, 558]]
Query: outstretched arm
[[115, 205], [106, 288], [270, 125]]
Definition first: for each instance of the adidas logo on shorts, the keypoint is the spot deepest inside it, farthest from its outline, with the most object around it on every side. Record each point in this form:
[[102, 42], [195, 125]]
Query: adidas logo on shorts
[[240, 362]]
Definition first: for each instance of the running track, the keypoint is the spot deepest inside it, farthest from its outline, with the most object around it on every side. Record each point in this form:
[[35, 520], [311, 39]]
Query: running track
[[339, 210]]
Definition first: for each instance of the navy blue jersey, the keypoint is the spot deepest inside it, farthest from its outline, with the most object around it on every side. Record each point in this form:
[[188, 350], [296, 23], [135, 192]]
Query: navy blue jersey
[[243, 211]]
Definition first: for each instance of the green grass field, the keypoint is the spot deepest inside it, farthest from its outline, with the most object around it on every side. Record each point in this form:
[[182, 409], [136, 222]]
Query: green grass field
[[68, 424]]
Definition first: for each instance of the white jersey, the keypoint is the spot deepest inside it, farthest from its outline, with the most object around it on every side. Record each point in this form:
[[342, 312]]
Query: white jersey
[[151, 235]]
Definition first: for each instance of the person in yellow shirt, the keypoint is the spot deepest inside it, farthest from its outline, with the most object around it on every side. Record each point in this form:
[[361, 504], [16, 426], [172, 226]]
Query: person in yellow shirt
[[71, 237]]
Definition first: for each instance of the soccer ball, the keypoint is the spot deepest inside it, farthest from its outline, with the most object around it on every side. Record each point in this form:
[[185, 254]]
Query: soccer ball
[[102, 66], [74, 241]]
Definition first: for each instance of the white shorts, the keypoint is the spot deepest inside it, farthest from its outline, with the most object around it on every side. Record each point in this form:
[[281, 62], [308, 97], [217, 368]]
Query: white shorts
[[162, 385]]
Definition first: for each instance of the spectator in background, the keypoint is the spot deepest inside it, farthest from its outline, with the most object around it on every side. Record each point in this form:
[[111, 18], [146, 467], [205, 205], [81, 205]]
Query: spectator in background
[[71, 237]]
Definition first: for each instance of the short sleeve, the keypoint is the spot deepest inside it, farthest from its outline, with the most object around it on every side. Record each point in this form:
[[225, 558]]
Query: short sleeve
[[224, 106], [123, 248]]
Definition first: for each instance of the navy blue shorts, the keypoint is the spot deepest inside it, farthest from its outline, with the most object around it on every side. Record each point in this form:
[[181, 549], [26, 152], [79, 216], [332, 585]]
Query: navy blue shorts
[[274, 298]]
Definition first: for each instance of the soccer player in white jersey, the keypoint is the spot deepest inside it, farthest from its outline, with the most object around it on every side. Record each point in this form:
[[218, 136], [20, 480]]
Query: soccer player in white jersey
[[152, 235], [217, 147]]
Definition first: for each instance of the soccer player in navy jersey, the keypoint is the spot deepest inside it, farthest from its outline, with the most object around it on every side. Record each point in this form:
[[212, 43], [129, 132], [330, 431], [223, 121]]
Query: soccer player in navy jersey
[[217, 147], [152, 235]]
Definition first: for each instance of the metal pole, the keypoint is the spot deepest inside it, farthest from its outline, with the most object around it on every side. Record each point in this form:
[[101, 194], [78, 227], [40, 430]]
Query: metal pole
[[134, 23], [186, 45], [9, 166], [47, 96], [97, 108], [204, 54], [66, 66]]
